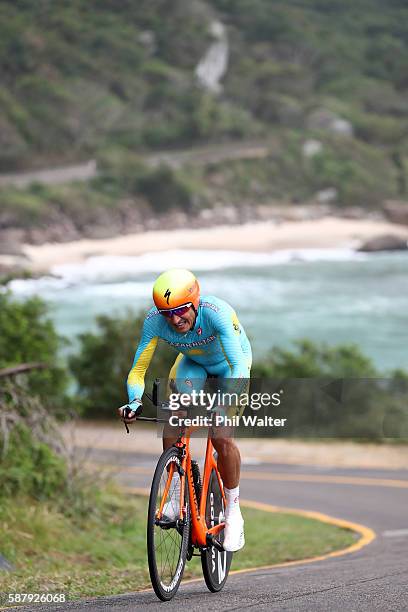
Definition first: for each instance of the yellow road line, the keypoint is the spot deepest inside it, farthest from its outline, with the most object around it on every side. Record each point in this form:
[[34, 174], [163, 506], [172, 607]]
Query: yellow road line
[[277, 476], [367, 534]]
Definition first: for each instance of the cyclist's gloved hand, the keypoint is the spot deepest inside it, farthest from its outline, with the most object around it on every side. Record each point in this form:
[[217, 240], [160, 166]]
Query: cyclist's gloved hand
[[129, 412]]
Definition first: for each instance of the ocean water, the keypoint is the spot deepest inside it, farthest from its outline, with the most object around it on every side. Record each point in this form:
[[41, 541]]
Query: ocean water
[[327, 295]]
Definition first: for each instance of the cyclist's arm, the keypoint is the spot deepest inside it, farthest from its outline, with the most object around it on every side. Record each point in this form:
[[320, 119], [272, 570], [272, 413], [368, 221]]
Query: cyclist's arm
[[229, 331], [141, 362]]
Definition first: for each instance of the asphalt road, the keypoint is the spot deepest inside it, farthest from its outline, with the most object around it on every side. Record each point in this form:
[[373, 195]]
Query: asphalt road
[[374, 578]]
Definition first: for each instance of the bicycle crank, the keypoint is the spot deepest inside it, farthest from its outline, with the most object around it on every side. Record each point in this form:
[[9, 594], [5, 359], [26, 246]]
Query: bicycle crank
[[212, 541]]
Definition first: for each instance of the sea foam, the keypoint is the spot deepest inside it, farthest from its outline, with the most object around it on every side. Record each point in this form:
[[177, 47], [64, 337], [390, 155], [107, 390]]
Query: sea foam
[[121, 269]]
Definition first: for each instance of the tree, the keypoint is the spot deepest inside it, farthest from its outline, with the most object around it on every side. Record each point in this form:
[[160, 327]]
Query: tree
[[104, 360], [28, 335], [310, 359], [333, 392]]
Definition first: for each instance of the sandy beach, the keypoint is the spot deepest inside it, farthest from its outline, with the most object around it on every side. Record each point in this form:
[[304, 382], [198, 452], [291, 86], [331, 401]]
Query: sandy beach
[[326, 232]]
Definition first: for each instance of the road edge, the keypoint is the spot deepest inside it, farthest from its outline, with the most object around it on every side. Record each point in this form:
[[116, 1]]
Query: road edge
[[367, 534]]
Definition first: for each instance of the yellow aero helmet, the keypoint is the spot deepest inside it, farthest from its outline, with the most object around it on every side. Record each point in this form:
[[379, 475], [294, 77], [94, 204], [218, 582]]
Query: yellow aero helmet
[[175, 288]]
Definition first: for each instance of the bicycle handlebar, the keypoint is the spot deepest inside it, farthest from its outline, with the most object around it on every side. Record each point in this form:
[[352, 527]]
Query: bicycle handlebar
[[153, 399], [142, 418]]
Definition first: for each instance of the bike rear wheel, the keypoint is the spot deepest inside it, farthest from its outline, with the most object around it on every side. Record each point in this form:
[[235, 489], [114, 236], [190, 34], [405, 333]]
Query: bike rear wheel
[[167, 540], [215, 563]]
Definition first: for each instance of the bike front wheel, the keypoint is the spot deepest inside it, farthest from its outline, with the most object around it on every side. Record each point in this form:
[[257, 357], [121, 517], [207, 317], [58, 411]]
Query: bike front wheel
[[215, 563], [167, 538]]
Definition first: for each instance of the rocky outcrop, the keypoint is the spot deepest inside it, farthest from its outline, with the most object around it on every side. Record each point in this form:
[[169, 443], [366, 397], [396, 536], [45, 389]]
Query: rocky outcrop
[[324, 119], [312, 147], [213, 66], [387, 242], [396, 211]]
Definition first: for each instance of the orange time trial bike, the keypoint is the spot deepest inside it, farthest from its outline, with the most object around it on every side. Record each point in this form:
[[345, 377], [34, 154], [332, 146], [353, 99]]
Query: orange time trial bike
[[197, 524]]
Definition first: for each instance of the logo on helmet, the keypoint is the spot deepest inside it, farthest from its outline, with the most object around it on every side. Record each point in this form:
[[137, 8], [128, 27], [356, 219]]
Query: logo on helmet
[[167, 295]]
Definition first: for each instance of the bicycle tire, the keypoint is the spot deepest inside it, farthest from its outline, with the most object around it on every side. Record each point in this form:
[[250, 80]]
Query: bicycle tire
[[168, 543], [215, 564]]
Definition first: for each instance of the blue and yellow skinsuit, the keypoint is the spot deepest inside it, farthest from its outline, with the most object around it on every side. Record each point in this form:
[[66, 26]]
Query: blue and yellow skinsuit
[[217, 346]]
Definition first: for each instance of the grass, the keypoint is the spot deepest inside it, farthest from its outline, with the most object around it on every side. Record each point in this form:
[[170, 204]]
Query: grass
[[104, 552]]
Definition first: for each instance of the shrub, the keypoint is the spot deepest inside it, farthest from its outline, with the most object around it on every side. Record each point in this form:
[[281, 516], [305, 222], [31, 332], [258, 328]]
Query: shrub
[[165, 189], [362, 175], [345, 398], [31, 467], [313, 360], [35, 462], [28, 335], [22, 208]]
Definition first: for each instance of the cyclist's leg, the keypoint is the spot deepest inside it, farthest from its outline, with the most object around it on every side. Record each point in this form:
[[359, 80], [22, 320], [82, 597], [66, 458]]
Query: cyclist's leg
[[229, 464], [229, 458], [185, 376]]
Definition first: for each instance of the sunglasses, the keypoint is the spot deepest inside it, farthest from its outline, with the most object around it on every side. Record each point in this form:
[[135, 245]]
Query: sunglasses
[[179, 311]]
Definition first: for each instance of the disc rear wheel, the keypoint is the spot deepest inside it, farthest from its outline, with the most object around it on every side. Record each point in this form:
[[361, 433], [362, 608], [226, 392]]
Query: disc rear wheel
[[215, 563]]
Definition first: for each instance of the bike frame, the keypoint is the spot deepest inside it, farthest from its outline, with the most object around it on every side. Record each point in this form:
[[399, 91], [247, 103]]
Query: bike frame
[[199, 529]]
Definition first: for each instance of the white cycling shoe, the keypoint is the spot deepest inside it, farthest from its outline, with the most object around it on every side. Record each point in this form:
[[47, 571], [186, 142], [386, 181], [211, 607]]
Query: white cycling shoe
[[234, 538], [171, 509]]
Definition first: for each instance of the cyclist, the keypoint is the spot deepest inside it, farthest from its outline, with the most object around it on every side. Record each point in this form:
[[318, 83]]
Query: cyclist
[[210, 340]]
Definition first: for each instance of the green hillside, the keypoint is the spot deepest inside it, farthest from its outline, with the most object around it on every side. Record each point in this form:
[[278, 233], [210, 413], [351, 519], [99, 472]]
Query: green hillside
[[117, 79]]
